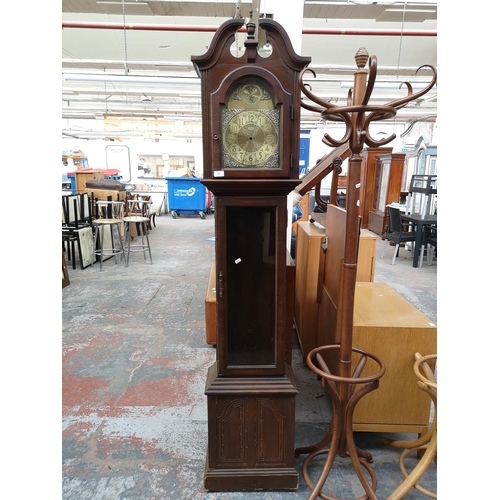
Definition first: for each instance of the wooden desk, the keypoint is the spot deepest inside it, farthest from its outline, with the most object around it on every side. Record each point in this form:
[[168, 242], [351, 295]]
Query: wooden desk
[[387, 325]]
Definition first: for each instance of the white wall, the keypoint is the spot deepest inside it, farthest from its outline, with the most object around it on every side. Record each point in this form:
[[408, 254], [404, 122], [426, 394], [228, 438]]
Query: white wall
[[95, 150]]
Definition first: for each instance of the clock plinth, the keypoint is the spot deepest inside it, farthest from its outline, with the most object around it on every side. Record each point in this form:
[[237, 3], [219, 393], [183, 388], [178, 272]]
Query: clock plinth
[[251, 429]]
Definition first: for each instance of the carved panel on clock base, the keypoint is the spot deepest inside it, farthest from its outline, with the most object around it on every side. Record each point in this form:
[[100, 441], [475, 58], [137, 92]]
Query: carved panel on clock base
[[251, 433]]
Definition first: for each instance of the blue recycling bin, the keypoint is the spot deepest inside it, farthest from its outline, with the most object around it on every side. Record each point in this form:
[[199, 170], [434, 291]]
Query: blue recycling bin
[[186, 195], [72, 180]]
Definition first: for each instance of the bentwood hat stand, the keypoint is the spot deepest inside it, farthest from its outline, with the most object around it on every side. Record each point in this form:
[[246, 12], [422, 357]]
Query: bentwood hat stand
[[357, 117]]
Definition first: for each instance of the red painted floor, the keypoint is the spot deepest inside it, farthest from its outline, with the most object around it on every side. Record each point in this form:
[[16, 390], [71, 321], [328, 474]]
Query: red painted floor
[[134, 364]]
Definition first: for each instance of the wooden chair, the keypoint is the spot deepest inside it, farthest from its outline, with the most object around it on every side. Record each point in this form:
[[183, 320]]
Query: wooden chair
[[147, 210], [153, 212], [428, 442]]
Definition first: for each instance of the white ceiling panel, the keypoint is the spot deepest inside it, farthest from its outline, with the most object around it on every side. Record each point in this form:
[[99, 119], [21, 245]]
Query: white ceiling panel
[[158, 38]]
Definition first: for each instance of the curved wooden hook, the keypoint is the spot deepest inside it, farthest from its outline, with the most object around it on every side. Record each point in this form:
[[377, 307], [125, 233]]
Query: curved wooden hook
[[307, 93], [372, 63], [399, 103]]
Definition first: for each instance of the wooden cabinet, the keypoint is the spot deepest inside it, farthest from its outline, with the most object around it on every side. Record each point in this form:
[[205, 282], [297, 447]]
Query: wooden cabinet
[[387, 325], [387, 189], [384, 323], [82, 177], [310, 272], [368, 179], [307, 260], [366, 256]]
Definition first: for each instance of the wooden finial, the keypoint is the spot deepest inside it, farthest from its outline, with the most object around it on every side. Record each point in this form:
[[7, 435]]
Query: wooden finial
[[361, 57]]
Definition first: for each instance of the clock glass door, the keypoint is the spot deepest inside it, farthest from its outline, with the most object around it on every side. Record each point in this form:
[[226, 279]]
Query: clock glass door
[[251, 283]]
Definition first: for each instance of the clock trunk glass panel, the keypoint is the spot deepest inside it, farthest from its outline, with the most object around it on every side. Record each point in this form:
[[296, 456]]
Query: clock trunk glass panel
[[250, 127], [251, 284]]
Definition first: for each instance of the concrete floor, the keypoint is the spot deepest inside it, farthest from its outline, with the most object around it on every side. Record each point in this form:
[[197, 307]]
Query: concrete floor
[[134, 367]]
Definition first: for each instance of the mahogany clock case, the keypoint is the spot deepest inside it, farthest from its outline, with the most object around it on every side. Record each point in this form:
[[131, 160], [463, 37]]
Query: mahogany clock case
[[251, 131]]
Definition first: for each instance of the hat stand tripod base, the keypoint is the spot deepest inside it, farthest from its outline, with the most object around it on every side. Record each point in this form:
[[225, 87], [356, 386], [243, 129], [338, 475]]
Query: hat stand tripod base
[[340, 434]]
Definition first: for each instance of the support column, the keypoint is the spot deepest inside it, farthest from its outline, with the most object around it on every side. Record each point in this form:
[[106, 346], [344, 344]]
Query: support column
[[290, 15]]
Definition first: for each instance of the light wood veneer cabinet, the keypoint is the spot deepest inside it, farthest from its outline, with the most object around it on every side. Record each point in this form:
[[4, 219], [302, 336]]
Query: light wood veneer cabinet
[[384, 324], [387, 325], [309, 272]]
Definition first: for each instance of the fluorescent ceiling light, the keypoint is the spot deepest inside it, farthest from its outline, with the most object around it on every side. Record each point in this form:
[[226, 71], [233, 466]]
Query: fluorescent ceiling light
[[129, 79], [389, 85], [109, 2], [409, 11]]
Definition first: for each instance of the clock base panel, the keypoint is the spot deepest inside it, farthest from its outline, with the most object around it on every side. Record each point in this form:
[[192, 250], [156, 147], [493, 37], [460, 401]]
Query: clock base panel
[[251, 432]]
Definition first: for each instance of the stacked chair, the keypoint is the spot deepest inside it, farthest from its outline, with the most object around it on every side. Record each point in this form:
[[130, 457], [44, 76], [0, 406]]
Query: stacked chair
[[77, 231]]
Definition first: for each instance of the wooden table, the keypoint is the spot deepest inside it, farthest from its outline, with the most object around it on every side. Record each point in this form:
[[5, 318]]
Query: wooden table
[[420, 222]]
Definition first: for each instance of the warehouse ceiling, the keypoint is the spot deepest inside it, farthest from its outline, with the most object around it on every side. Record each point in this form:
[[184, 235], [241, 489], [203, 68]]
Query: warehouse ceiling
[[126, 64]]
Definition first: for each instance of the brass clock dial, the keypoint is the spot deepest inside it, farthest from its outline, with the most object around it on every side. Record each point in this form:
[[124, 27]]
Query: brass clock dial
[[250, 139], [250, 127]]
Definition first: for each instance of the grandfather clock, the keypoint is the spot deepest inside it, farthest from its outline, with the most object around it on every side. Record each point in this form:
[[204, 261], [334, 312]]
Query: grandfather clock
[[251, 129]]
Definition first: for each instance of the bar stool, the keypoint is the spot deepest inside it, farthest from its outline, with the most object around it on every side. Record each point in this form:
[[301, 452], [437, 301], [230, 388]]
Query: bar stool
[[136, 212], [108, 243]]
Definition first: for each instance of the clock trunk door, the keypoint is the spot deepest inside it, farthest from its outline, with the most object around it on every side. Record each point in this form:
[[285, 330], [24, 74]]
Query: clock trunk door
[[251, 264]]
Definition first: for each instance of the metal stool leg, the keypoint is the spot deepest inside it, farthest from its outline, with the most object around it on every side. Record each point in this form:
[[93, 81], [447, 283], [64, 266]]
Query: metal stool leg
[[96, 235], [137, 247], [101, 229], [118, 241], [147, 240], [142, 230], [127, 237]]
